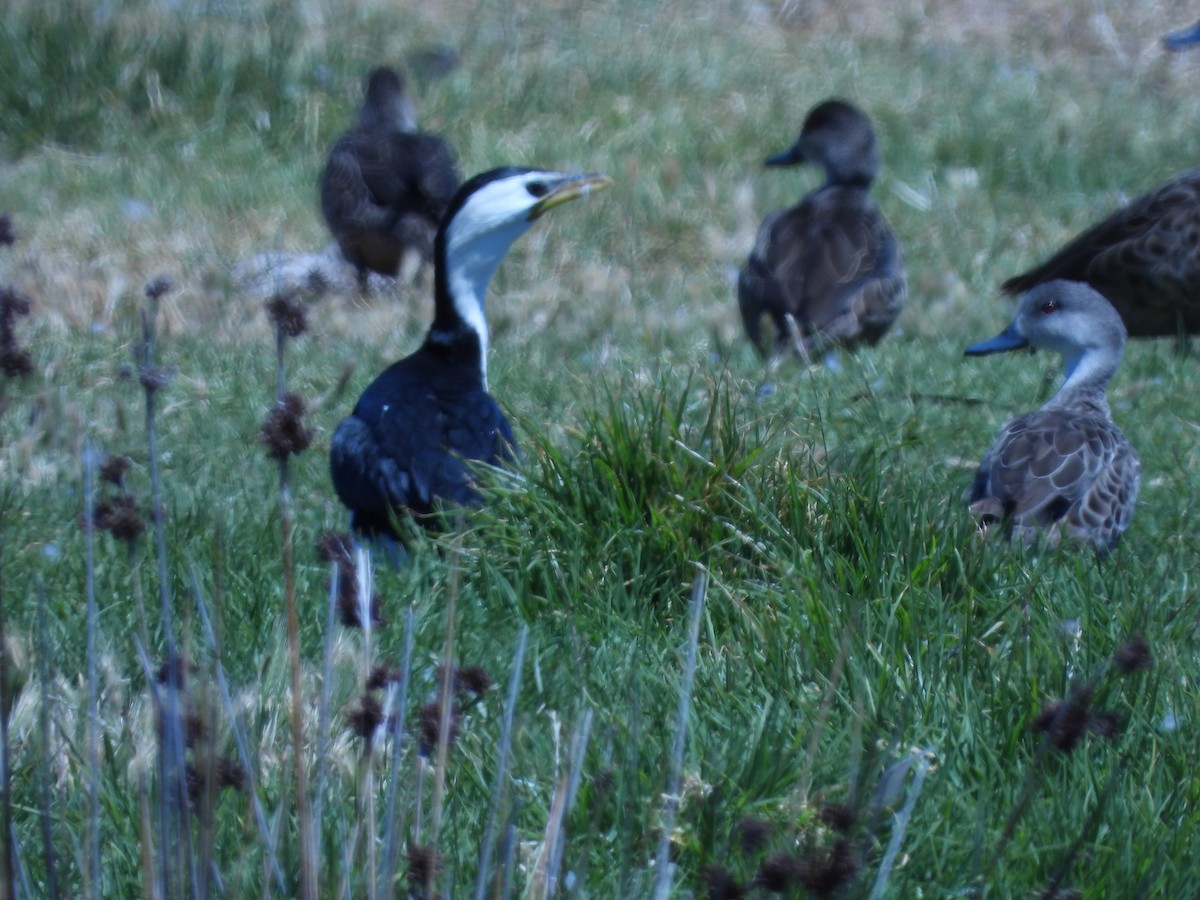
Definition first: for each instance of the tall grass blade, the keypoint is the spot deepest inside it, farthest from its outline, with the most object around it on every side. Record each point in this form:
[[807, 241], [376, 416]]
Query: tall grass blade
[[93, 714], [920, 770], [265, 833], [563, 805], [662, 887], [323, 709], [49, 859], [391, 828], [510, 705]]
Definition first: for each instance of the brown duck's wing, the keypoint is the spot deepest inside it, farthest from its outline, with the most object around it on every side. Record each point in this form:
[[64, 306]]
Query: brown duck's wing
[[1059, 472], [759, 292], [1144, 258], [347, 200], [838, 266]]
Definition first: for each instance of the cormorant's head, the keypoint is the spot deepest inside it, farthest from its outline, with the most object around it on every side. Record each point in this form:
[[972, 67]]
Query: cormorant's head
[[494, 208], [488, 213]]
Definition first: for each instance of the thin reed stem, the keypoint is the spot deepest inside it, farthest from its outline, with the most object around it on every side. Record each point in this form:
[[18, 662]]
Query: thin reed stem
[[93, 723], [43, 674], [239, 738], [391, 831], [558, 846], [308, 868], [323, 708], [510, 705], [663, 879], [174, 835], [921, 766], [7, 846]]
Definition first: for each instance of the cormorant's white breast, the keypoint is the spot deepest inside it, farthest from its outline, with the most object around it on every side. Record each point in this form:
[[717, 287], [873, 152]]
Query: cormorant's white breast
[[407, 444]]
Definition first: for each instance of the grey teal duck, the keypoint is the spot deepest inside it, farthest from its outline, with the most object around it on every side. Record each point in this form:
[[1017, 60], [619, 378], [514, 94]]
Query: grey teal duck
[[827, 271], [1064, 471], [386, 185]]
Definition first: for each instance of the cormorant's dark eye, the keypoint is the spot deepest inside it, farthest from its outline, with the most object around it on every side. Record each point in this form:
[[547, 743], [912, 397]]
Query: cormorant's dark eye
[[537, 188], [1049, 306]]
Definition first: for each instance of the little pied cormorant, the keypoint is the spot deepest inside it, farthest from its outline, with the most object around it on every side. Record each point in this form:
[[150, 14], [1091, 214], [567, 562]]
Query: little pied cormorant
[[828, 271], [407, 444], [386, 185]]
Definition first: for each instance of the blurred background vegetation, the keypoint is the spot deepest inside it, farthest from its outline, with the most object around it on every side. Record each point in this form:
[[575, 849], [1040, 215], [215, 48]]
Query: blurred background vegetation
[[854, 623]]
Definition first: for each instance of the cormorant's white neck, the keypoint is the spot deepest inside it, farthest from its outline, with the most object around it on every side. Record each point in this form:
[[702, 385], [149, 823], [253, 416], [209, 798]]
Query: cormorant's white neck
[[474, 249]]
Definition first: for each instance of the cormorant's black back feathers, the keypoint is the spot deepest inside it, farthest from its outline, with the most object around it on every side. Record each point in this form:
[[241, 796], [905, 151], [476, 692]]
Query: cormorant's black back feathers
[[411, 436]]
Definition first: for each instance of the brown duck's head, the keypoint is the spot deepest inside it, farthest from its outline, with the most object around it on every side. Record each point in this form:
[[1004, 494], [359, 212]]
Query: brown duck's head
[[837, 136], [387, 103]]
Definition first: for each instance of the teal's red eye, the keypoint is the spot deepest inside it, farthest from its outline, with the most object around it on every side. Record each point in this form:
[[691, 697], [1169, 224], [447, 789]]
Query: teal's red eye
[[1049, 306]]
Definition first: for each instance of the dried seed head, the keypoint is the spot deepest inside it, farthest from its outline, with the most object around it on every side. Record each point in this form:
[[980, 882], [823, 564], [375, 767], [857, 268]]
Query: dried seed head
[[429, 722], [230, 774], [336, 546], [1106, 724], [121, 516], [175, 671], [15, 361], [720, 884], [424, 864], [158, 288], [194, 729], [473, 680], [224, 773], [114, 469], [825, 872], [1133, 656], [1066, 721], [287, 313], [283, 432], [366, 717], [466, 679], [838, 816], [778, 872], [753, 833], [348, 606], [380, 676], [13, 305]]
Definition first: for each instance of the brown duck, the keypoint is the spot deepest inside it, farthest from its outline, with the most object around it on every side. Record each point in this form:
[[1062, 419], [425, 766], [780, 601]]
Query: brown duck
[[1145, 259], [827, 271], [386, 184]]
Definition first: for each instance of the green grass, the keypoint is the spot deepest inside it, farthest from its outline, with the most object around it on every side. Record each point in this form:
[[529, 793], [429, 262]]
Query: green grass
[[852, 617]]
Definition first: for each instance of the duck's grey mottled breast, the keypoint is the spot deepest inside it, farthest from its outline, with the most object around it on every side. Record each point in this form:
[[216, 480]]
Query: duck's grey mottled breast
[[827, 271], [1065, 470], [1145, 259], [386, 185]]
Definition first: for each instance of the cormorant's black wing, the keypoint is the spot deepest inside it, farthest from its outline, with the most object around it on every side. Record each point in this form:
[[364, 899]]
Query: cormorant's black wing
[[408, 442]]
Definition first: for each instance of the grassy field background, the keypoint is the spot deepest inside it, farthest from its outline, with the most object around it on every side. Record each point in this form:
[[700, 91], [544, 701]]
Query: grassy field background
[[859, 645]]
